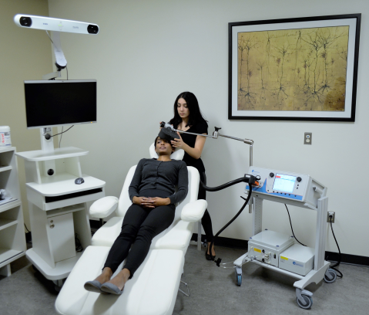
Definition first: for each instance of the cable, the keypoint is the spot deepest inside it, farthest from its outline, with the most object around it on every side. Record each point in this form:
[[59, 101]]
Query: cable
[[62, 132], [61, 136], [340, 275], [246, 179], [229, 223], [339, 255], [222, 265], [26, 227], [293, 233], [48, 136]]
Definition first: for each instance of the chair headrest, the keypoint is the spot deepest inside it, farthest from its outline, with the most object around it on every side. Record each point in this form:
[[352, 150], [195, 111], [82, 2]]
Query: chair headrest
[[176, 155]]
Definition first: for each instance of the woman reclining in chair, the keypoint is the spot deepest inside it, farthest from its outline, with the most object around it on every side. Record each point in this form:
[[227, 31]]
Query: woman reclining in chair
[[153, 196]]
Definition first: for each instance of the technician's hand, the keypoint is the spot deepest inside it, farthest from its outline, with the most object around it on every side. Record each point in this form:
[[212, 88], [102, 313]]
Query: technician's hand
[[178, 143]]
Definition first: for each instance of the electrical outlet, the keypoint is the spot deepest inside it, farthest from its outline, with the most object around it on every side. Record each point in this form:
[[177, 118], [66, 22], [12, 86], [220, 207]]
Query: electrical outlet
[[331, 215], [308, 137]]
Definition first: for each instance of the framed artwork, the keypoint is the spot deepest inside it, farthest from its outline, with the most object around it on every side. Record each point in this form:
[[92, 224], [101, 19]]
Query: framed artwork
[[294, 69]]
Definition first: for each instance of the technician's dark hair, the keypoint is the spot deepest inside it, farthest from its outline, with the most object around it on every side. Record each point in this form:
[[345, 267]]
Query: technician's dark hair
[[193, 107]]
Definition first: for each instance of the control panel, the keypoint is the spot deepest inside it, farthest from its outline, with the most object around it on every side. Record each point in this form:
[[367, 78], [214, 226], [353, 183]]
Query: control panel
[[286, 185]]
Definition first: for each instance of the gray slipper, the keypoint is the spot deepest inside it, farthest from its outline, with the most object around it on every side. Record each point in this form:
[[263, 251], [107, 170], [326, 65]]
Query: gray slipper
[[111, 288], [93, 286]]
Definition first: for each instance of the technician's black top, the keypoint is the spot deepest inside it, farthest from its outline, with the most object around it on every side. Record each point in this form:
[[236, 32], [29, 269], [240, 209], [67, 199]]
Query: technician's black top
[[201, 128], [155, 178]]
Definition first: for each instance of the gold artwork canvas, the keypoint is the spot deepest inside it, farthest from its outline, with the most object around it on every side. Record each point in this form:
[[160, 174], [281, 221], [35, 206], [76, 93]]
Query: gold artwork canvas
[[293, 70]]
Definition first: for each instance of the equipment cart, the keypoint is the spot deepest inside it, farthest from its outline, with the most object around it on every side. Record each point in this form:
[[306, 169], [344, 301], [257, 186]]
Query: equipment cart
[[278, 252]]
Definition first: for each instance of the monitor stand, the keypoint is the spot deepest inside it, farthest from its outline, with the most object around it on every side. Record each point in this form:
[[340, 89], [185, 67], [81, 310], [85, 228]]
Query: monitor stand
[[47, 143], [57, 207], [47, 146]]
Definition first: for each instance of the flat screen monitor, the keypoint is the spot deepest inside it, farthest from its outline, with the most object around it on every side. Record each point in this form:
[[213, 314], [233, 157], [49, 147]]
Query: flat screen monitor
[[60, 102]]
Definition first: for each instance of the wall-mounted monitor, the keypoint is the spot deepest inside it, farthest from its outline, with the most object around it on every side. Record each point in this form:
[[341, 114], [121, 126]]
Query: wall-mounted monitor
[[60, 102]]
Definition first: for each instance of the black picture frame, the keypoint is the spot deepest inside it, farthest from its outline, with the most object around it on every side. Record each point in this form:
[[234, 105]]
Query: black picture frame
[[294, 69]]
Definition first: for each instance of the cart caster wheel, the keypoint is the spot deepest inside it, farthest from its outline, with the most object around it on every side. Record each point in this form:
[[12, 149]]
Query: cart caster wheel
[[308, 302], [238, 279], [330, 276]]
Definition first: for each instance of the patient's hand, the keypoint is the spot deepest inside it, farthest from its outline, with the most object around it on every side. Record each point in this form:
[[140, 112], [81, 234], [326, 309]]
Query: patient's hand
[[150, 202], [143, 201], [157, 201]]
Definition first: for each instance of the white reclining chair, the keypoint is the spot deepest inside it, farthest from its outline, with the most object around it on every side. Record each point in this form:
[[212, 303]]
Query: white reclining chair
[[153, 289]]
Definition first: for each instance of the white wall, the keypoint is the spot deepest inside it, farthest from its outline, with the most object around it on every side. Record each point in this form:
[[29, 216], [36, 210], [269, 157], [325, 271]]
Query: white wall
[[149, 51], [24, 55]]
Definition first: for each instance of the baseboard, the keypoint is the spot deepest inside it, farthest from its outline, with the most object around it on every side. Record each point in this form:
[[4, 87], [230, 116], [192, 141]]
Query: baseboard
[[223, 241], [347, 258], [331, 256]]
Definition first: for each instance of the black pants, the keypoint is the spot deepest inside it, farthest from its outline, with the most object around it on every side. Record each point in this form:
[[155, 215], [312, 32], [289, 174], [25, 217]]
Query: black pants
[[206, 220], [140, 226]]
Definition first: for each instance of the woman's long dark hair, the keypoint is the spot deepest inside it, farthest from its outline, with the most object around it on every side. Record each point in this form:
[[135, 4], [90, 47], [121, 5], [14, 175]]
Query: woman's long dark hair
[[193, 107]]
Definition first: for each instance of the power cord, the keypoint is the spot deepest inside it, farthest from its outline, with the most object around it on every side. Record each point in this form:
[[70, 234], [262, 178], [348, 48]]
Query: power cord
[[218, 261], [48, 136], [26, 227], [340, 275], [62, 132], [293, 233], [61, 136], [223, 265], [28, 234]]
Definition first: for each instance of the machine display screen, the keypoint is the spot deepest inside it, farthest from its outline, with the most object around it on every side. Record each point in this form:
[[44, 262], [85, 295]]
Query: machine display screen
[[284, 183]]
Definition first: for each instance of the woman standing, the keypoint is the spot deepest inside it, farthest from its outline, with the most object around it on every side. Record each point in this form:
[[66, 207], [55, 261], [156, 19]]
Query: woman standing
[[187, 117]]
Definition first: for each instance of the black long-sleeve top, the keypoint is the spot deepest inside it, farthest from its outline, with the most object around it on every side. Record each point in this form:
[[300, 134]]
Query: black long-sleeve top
[[155, 178]]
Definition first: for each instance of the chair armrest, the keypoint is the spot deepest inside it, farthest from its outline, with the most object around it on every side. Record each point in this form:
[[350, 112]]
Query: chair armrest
[[103, 207], [194, 211]]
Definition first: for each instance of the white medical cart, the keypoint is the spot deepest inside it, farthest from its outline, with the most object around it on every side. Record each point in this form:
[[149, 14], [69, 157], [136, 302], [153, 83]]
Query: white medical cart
[[267, 248]]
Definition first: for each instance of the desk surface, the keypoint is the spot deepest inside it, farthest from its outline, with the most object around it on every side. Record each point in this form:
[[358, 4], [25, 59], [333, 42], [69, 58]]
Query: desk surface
[[60, 153], [64, 184]]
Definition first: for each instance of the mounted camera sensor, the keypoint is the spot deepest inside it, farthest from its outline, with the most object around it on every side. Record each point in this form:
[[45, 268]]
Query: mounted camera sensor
[[93, 29], [25, 21]]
